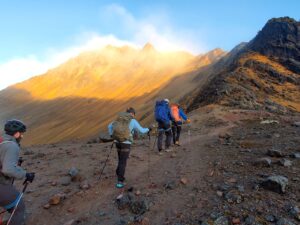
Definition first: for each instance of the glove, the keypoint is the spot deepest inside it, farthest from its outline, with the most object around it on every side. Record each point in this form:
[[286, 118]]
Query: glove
[[20, 161], [188, 121], [29, 177], [150, 129]]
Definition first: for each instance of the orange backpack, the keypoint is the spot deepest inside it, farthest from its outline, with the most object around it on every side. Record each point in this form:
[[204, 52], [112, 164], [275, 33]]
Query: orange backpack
[[175, 113]]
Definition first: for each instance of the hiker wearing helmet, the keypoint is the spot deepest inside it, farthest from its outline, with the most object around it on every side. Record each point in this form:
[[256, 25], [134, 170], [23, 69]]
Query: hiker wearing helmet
[[163, 118], [121, 131], [10, 169], [178, 116]]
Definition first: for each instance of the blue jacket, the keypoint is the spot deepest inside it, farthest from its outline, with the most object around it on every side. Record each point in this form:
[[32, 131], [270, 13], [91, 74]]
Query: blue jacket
[[133, 125], [182, 114]]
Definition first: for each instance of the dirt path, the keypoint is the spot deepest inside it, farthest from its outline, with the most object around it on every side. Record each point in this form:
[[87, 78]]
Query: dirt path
[[96, 205]]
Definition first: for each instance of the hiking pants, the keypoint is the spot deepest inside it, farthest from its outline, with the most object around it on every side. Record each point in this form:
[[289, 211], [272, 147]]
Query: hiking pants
[[8, 199], [176, 130], [164, 128], [123, 154]]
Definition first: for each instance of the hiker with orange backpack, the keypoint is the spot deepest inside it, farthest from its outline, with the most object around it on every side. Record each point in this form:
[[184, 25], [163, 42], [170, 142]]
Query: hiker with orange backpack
[[121, 130], [10, 198], [178, 117]]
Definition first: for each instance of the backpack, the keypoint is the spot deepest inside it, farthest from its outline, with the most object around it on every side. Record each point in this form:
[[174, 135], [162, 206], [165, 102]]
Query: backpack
[[121, 131], [161, 111], [175, 113]]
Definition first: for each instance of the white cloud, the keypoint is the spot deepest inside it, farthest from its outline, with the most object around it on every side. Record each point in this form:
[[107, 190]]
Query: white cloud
[[17, 70], [154, 29]]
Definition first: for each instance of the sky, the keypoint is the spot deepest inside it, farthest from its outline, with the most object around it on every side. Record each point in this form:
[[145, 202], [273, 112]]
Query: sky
[[38, 35]]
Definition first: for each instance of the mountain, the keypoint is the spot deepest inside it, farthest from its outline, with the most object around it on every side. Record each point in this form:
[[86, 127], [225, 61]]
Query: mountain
[[263, 74], [81, 96]]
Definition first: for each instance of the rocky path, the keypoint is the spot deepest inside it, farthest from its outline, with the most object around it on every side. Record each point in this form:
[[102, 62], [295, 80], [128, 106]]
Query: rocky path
[[214, 177]]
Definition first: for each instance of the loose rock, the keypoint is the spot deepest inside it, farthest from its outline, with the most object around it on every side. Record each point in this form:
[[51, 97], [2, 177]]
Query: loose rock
[[263, 162], [274, 153], [275, 183]]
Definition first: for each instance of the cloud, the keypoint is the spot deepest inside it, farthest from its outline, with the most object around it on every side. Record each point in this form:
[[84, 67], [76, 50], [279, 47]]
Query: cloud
[[20, 69], [156, 29], [135, 32]]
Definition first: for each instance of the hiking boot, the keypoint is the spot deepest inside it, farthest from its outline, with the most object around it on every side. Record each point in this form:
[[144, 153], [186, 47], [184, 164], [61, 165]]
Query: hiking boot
[[120, 185], [177, 143]]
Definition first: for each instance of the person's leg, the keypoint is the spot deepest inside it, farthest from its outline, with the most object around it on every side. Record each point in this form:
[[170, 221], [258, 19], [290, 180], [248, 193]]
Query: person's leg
[[168, 132], [174, 132], [119, 158], [178, 133], [8, 197], [123, 154], [160, 136]]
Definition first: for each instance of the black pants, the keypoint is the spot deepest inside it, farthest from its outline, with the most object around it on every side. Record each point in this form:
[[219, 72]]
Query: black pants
[[164, 128], [123, 154], [8, 194], [176, 130]]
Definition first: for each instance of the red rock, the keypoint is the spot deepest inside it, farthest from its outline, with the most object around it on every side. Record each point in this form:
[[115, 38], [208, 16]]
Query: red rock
[[55, 200], [47, 206], [71, 222], [236, 221], [183, 180], [232, 180], [220, 193], [71, 210]]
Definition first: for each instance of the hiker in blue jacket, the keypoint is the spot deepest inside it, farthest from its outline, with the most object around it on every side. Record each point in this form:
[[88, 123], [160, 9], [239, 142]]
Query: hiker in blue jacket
[[123, 146], [163, 118]]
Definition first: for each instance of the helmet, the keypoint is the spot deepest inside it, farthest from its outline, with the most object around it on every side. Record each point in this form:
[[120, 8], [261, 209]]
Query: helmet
[[130, 110], [13, 126], [166, 100]]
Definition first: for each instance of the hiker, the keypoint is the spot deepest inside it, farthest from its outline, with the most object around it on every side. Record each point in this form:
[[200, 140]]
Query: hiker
[[178, 117], [10, 170], [163, 117], [121, 131]]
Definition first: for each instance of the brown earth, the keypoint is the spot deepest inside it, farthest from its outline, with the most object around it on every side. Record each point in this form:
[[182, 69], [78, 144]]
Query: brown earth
[[211, 174]]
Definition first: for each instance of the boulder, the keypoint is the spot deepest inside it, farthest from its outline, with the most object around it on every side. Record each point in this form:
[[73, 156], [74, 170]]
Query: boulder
[[275, 183], [274, 153], [266, 162]]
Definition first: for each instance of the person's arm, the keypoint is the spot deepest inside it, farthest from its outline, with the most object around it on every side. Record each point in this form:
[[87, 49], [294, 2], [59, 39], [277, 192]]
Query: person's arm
[[134, 125], [170, 115], [182, 114], [110, 128], [10, 166]]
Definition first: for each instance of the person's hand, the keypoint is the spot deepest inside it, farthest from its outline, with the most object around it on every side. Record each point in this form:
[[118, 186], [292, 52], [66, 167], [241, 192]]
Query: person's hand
[[29, 177], [188, 121], [21, 160], [150, 129]]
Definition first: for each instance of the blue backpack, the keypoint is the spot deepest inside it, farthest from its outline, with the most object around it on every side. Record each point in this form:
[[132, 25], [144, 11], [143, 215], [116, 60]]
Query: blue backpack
[[162, 111]]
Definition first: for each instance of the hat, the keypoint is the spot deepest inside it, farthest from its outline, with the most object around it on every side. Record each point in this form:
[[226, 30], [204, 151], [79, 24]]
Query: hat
[[166, 100]]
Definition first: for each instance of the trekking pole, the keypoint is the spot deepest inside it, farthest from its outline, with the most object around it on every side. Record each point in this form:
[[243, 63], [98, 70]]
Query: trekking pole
[[19, 200], [149, 156], [156, 136], [106, 160]]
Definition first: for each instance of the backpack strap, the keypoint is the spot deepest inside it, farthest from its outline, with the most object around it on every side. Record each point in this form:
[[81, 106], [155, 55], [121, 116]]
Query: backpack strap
[[3, 142]]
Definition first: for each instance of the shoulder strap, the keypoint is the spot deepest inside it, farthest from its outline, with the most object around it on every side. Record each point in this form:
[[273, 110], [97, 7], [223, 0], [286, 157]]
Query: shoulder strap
[[3, 142]]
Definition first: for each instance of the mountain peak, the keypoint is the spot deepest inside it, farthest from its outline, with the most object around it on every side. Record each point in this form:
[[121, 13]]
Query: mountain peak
[[148, 47], [279, 38]]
